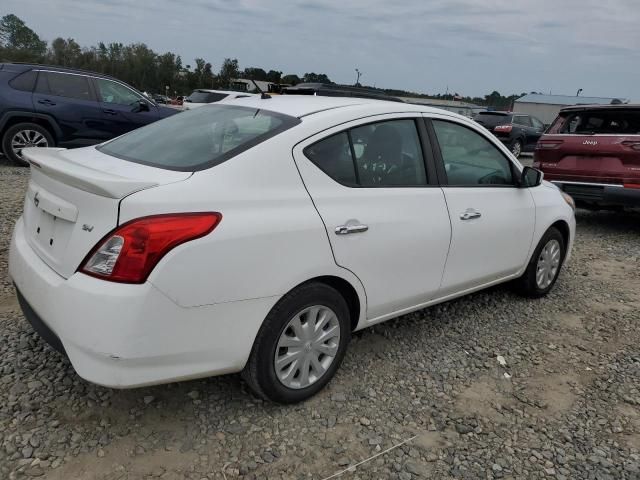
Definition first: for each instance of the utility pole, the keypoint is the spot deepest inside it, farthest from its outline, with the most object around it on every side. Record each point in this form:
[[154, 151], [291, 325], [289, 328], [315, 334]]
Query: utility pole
[[578, 92], [358, 75]]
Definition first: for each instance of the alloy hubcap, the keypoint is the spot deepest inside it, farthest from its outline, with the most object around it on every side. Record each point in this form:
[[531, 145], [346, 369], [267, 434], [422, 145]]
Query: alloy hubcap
[[27, 138], [517, 149], [307, 347], [548, 264]]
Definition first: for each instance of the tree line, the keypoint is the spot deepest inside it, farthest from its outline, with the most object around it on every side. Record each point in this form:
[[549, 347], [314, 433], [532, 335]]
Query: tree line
[[140, 66], [136, 63]]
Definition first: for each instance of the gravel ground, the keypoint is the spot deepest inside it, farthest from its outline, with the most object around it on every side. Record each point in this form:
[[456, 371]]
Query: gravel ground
[[565, 405]]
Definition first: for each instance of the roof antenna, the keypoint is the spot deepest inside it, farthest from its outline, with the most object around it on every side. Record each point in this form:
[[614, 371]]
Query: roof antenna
[[263, 95]]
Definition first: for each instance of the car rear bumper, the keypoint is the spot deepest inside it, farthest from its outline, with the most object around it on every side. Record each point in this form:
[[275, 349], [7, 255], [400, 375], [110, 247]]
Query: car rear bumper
[[600, 194], [120, 335]]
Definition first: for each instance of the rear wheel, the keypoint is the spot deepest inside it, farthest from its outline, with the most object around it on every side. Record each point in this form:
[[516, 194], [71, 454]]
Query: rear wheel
[[544, 267], [516, 148], [300, 344], [24, 135]]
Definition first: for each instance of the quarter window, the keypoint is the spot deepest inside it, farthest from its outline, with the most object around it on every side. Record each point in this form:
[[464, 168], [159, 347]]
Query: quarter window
[[114, 93], [64, 85], [333, 156], [382, 154], [25, 81], [469, 158]]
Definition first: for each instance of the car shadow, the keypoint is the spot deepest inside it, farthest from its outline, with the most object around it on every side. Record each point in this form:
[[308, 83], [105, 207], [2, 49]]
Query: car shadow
[[606, 221]]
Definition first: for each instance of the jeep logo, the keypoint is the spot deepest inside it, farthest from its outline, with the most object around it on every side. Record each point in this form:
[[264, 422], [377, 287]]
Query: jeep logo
[[590, 142]]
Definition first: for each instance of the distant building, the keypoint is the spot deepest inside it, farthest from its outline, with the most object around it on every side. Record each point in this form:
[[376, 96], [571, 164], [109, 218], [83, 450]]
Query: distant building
[[546, 107]]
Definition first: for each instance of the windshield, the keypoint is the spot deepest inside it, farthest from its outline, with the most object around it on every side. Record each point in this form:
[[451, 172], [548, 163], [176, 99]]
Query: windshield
[[199, 96], [199, 138]]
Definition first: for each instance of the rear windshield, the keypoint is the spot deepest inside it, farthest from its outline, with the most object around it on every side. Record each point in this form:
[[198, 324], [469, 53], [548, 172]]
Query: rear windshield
[[199, 138], [589, 122], [205, 97], [491, 119]]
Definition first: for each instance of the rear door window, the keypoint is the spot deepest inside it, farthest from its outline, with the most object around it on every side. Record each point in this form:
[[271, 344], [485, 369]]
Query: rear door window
[[199, 138], [64, 85], [381, 154]]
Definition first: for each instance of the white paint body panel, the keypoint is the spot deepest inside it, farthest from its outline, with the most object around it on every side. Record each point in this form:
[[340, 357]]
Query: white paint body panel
[[203, 304], [400, 258]]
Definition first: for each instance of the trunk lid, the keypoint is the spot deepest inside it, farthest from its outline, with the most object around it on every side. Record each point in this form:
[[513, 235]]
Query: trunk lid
[[598, 144], [73, 199]]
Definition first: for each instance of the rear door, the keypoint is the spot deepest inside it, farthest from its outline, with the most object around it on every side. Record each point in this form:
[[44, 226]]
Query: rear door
[[384, 214], [70, 99], [492, 219], [122, 109]]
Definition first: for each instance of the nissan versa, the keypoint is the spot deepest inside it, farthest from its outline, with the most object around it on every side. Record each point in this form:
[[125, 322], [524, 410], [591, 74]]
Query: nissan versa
[[256, 236]]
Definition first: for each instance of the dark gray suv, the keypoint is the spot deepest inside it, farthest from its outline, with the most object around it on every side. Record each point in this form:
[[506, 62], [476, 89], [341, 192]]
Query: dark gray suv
[[518, 131], [45, 106]]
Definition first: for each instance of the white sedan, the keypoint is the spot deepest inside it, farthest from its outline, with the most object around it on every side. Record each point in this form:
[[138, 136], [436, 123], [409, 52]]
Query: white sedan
[[256, 236], [203, 96]]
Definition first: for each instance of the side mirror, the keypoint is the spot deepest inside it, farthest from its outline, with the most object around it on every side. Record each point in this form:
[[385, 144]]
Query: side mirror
[[140, 106], [530, 177]]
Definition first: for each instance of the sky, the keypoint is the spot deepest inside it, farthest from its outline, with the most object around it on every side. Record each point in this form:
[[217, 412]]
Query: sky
[[470, 47]]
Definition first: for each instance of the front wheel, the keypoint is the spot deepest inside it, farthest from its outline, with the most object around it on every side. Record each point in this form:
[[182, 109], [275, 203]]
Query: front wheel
[[544, 267], [300, 344], [24, 135]]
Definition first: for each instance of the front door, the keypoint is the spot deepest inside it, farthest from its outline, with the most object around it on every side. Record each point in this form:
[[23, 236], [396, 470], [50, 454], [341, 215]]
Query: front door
[[385, 217], [492, 220]]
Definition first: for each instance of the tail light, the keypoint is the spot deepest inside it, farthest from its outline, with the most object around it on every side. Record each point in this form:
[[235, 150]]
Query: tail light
[[635, 145], [503, 128], [131, 251], [632, 185]]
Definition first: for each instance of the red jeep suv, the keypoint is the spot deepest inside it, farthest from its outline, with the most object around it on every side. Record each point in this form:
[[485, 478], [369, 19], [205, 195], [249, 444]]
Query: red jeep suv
[[592, 152]]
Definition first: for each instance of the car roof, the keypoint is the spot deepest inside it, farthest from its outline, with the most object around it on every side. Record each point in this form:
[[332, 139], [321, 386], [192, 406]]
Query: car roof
[[18, 66], [304, 105], [580, 108]]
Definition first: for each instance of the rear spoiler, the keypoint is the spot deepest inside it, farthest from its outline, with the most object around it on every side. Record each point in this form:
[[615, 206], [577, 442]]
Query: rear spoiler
[[52, 163]]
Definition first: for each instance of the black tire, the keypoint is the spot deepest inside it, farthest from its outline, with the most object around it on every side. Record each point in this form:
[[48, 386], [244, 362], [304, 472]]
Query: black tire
[[527, 284], [516, 147], [15, 129], [260, 373]]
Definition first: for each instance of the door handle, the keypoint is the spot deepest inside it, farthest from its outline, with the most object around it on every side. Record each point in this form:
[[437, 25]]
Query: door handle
[[347, 229], [470, 214], [46, 101], [108, 111]]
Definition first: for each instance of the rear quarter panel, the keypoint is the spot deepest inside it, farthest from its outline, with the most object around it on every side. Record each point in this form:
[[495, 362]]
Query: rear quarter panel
[[270, 238]]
